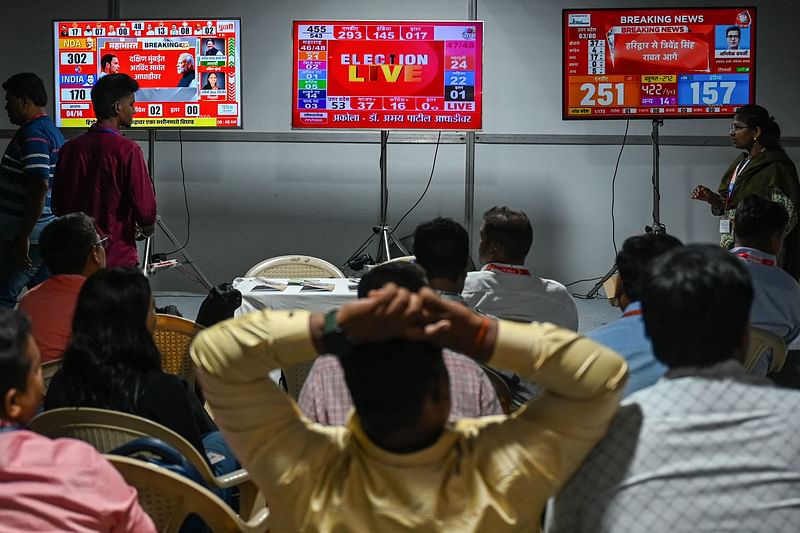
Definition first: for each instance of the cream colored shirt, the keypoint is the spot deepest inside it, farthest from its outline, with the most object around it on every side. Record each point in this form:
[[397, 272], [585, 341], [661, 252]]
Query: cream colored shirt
[[491, 474]]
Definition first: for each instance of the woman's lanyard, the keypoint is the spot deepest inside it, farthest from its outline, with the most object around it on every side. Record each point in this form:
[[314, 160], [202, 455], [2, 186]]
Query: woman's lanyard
[[632, 312], [739, 168]]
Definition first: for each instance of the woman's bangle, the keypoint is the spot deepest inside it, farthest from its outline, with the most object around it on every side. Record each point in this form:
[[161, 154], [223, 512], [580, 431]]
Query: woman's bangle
[[480, 336]]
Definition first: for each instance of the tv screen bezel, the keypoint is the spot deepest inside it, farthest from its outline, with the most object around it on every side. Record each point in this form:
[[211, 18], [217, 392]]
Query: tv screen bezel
[[654, 116], [240, 74]]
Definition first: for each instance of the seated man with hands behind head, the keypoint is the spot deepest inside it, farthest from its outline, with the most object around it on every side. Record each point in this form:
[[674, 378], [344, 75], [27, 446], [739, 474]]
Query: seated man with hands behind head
[[326, 399], [51, 485], [72, 251], [398, 466]]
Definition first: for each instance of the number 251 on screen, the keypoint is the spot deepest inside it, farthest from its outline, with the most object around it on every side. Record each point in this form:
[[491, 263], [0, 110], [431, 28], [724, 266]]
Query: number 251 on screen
[[602, 94]]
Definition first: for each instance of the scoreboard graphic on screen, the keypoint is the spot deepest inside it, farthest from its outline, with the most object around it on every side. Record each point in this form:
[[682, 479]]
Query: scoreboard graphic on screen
[[655, 63], [387, 75], [189, 71]]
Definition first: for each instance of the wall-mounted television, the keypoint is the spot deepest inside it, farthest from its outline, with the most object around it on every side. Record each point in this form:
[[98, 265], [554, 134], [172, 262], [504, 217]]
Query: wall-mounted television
[[387, 75], [188, 70], [658, 63]]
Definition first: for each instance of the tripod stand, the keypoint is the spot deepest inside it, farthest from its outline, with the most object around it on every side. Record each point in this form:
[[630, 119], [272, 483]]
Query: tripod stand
[[152, 262], [382, 232], [657, 226]]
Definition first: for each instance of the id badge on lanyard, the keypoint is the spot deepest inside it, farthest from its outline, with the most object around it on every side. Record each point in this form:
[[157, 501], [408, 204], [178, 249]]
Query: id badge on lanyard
[[725, 223]]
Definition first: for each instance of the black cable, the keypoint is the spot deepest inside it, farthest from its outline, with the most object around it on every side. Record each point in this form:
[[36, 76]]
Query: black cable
[[430, 179], [582, 281], [657, 193], [613, 192], [185, 199]]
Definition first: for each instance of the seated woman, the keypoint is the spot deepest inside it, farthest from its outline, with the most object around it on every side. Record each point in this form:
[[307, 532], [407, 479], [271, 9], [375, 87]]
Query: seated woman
[[112, 362]]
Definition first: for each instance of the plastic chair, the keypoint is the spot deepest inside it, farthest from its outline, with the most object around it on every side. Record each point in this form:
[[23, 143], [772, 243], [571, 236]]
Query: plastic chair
[[501, 388], [294, 267], [173, 336], [106, 430], [49, 370], [295, 377], [761, 341], [169, 498]]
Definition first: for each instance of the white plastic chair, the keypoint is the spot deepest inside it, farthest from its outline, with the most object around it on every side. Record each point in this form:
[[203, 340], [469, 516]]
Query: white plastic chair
[[294, 267]]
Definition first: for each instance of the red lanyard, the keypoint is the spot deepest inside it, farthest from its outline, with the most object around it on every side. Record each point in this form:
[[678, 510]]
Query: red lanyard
[[506, 269], [750, 258], [635, 312]]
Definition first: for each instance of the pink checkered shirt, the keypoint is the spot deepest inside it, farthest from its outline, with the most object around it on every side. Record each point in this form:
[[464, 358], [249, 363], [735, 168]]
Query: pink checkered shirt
[[326, 399]]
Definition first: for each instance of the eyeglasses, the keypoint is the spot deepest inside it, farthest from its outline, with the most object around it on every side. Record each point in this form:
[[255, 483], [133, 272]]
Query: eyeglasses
[[103, 243], [737, 127]]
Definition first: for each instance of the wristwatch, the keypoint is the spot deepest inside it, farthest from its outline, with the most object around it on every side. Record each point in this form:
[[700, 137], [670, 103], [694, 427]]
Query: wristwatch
[[334, 337]]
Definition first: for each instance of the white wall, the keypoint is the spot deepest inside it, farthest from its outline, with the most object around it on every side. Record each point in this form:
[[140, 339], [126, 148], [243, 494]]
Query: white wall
[[252, 200]]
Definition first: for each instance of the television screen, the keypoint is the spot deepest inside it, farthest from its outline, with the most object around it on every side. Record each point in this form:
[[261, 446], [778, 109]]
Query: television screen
[[658, 63], [386, 75], [189, 71]]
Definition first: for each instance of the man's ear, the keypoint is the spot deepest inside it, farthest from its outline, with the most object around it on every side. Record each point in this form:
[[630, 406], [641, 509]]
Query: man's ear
[[11, 410]]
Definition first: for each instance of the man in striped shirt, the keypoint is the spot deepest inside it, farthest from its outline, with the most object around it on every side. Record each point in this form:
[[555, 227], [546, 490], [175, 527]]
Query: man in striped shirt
[[26, 177]]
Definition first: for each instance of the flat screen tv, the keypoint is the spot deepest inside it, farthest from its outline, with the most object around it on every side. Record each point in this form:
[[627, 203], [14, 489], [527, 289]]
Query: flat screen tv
[[387, 75], [658, 63], [188, 70]]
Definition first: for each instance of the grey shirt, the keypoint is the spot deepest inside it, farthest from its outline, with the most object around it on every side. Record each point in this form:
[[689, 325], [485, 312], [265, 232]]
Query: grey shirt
[[702, 450]]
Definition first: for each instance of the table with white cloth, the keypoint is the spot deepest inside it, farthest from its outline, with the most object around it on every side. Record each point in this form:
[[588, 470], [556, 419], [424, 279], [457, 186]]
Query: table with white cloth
[[296, 295]]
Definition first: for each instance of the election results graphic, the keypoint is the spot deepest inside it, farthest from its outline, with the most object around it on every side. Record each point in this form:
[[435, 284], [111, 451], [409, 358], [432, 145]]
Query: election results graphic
[[188, 70], [655, 63], [387, 75]]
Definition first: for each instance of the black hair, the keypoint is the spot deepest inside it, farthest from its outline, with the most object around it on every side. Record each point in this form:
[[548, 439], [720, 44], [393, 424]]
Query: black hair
[[441, 247], [106, 60], [512, 229], [66, 243], [696, 304], [29, 85], [108, 91], [755, 116], [111, 349], [402, 273], [390, 380], [636, 252], [14, 362], [758, 218], [737, 29]]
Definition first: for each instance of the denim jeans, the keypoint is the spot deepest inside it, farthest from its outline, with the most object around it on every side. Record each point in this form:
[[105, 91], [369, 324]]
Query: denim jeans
[[13, 279]]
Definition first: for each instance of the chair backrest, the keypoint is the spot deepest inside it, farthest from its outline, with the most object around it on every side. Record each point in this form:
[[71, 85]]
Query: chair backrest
[[49, 370], [501, 388], [173, 336], [762, 341], [295, 378], [294, 266], [169, 498], [105, 430]]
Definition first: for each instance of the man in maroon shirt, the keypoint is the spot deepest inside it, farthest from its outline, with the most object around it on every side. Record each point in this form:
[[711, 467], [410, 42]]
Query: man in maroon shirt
[[104, 174]]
